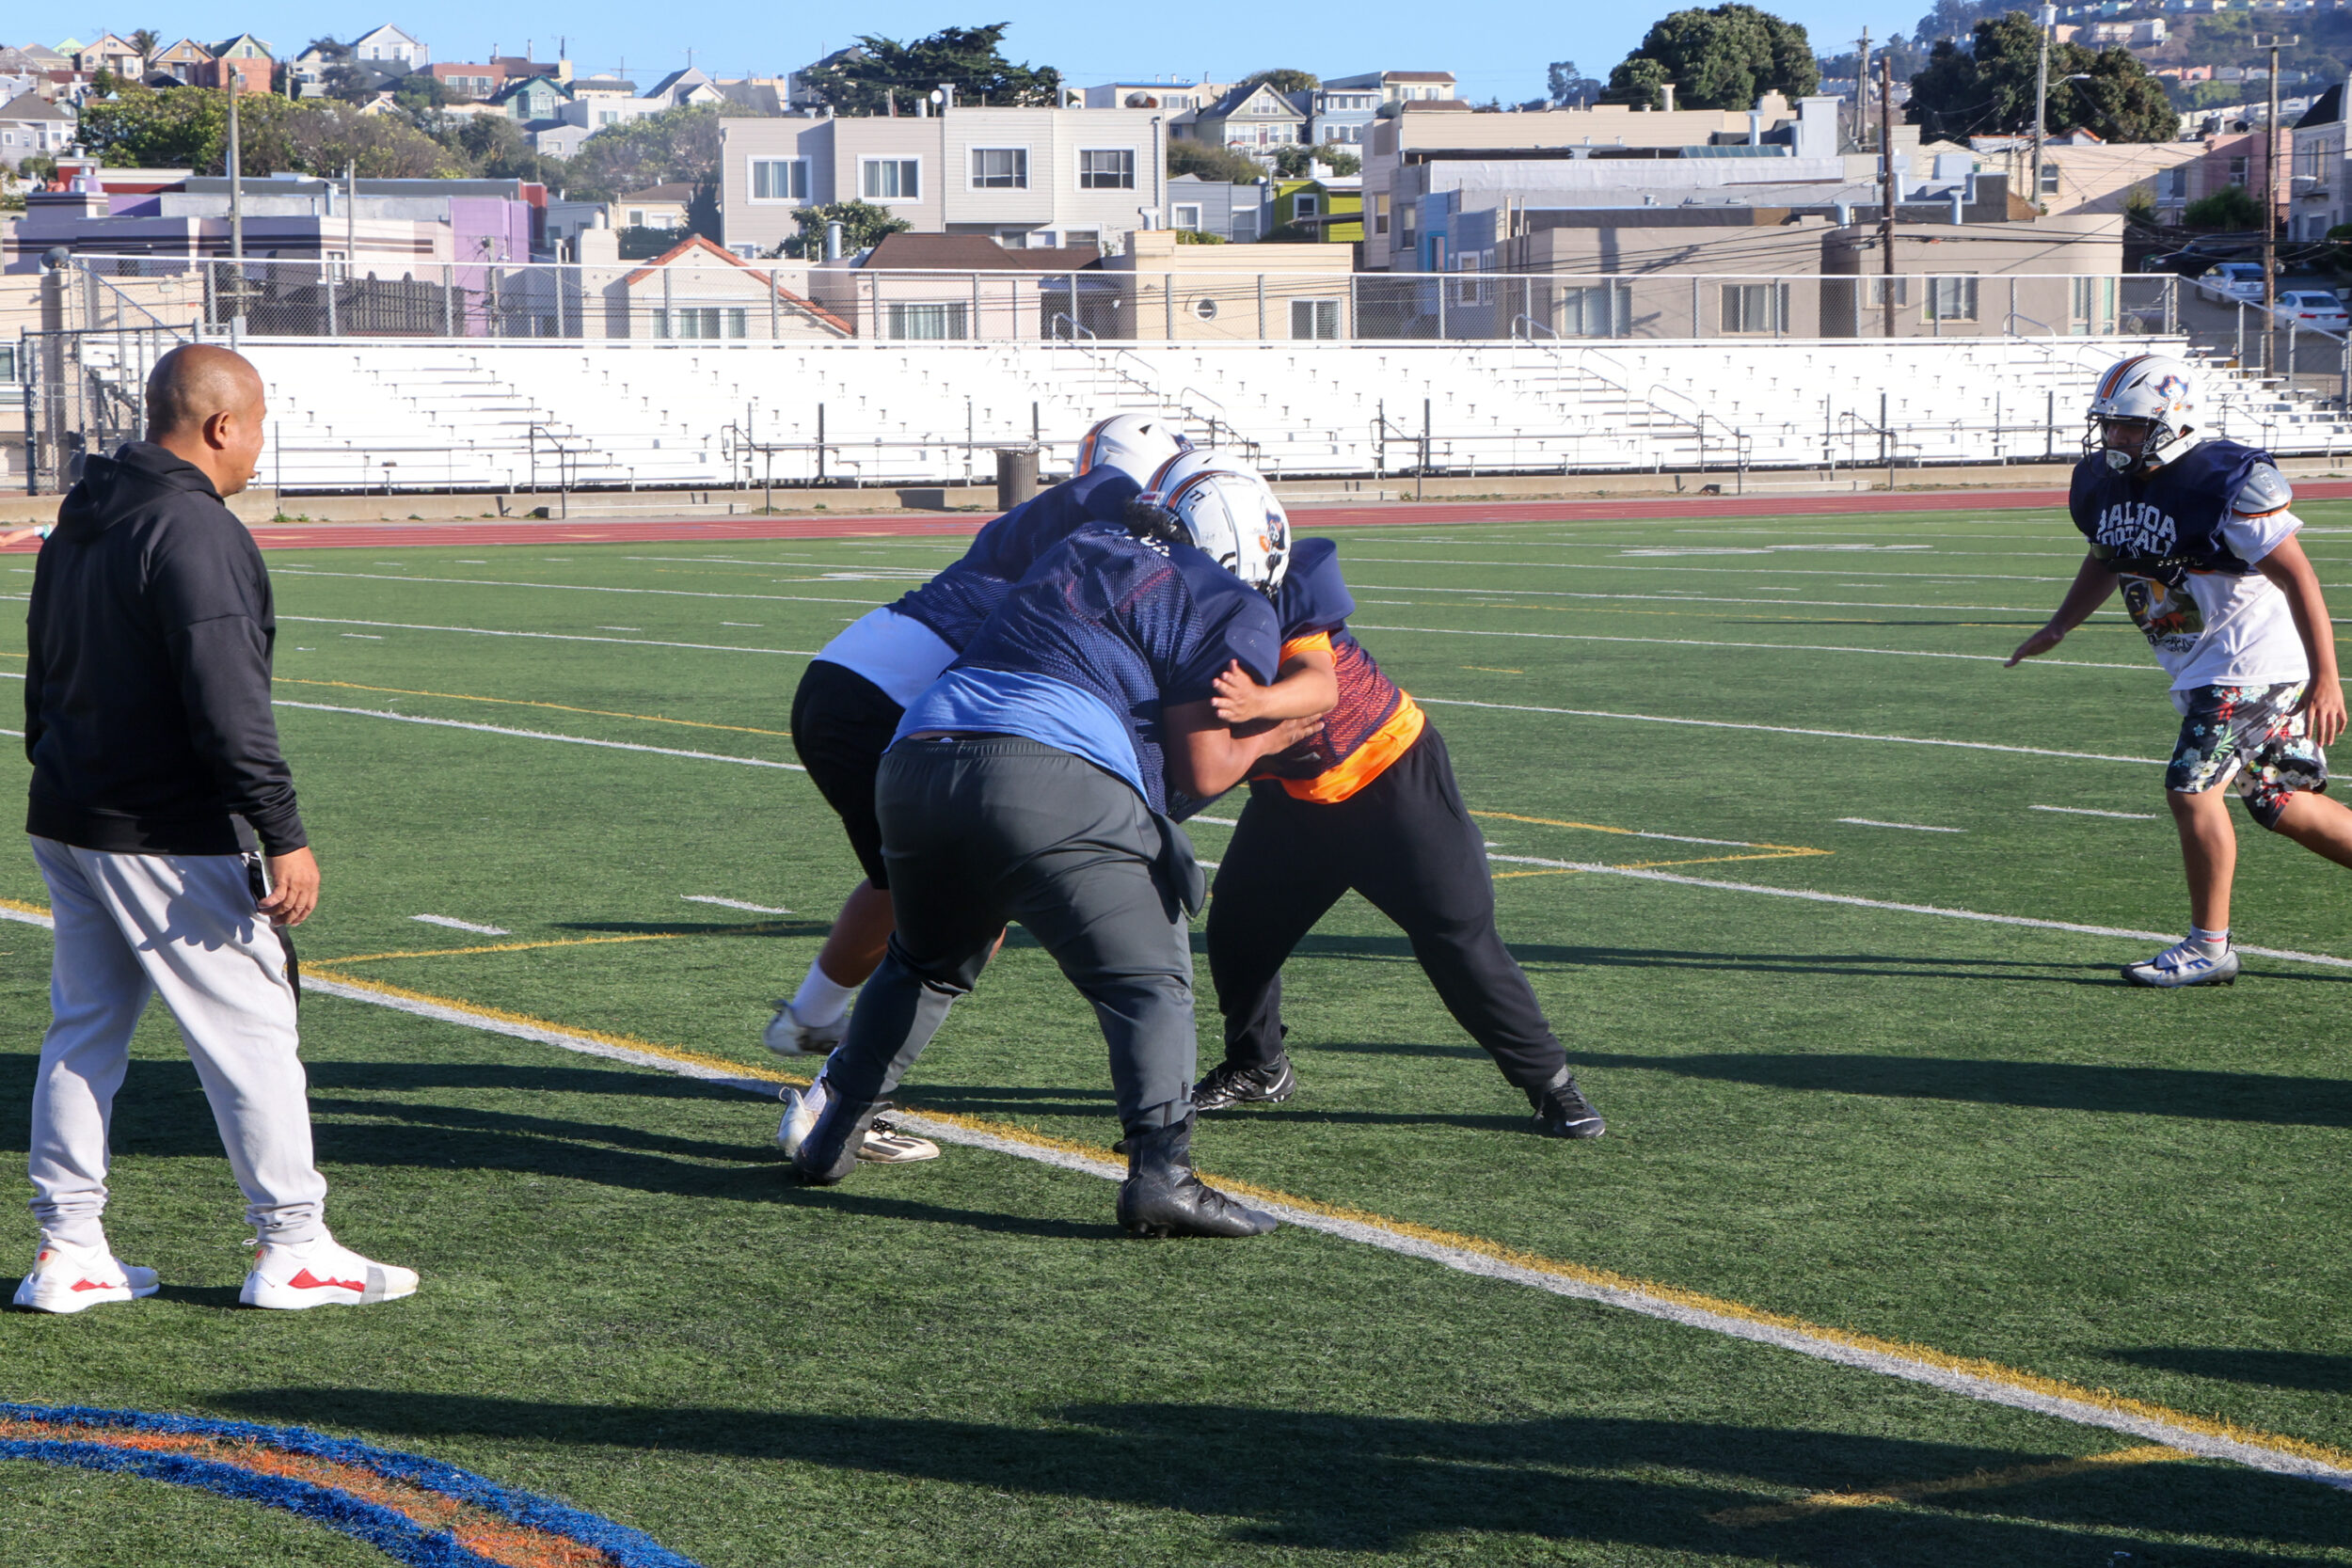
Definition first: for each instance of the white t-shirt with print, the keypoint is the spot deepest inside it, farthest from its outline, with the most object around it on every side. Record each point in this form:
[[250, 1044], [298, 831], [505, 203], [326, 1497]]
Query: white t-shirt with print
[[2224, 631]]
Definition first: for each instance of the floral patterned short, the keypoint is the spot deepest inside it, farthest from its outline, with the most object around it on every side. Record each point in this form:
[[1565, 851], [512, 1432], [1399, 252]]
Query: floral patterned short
[[2252, 734]]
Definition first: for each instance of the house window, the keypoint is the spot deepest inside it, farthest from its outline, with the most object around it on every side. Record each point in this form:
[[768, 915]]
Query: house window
[[1314, 318], [606, 116], [1106, 168], [2049, 179], [779, 178], [1000, 168], [8, 364], [2093, 304], [2237, 171], [1755, 307], [1951, 299], [890, 179], [1244, 226], [700, 321], [1184, 214], [930, 323], [1380, 213], [637, 217], [1875, 291], [2172, 184], [1305, 205]]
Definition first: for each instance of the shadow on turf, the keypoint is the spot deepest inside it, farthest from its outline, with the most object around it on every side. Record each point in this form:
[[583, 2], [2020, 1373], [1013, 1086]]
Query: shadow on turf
[[2276, 1098], [1374, 949], [1300, 1480], [2270, 1369]]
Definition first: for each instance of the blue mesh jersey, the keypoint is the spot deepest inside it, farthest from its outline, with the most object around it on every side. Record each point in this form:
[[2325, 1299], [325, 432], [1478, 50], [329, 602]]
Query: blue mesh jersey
[[2168, 524], [1131, 626], [954, 603]]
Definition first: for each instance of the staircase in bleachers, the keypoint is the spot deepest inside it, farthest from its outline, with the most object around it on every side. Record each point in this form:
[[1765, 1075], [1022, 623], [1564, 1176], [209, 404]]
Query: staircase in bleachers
[[469, 414]]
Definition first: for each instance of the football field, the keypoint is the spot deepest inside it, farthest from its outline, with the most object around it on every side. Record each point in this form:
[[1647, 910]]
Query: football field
[[1917, 1236]]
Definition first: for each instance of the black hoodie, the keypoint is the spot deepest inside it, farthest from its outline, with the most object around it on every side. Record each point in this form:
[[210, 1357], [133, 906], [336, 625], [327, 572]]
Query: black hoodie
[[146, 689]]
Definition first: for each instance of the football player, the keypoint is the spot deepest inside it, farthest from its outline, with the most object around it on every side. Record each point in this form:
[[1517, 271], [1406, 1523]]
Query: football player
[[2197, 535]]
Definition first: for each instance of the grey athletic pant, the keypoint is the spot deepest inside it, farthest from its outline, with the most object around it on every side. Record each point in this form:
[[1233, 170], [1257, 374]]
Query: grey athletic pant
[[129, 927], [978, 831]]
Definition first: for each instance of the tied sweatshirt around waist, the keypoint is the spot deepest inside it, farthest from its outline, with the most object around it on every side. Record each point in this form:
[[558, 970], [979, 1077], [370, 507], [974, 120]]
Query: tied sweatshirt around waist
[[146, 683]]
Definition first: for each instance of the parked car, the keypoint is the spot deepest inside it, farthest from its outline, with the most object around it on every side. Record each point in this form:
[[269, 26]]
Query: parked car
[[2318, 307], [2231, 282]]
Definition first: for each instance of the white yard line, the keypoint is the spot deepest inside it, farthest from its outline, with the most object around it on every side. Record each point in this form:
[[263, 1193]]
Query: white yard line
[[1907, 827], [1785, 729], [462, 925], [537, 734], [558, 636], [731, 903], [1697, 598], [2086, 811], [1776, 569], [571, 586], [1781, 647]]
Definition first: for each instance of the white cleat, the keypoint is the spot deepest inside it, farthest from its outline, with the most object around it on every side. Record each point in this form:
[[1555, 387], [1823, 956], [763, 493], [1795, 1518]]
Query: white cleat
[[73, 1279], [322, 1273], [2185, 964], [884, 1144], [788, 1036]]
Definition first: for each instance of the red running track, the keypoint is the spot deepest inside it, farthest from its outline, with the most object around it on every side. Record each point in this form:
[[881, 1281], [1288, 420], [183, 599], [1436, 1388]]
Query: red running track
[[511, 531]]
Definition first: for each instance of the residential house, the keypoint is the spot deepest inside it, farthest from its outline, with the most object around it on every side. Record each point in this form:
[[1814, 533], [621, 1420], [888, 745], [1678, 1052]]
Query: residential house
[[532, 100], [1397, 87], [695, 290], [2316, 200], [1343, 114], [655, 207], [597, 102], [119, 55], [309, 68], [955, 287], [44, 58], [387, 47], [1254, 121], [681, 87], [1168, 289], [1237, 214], [2081, 173], [1326, 211], [558, 139], [31, 126], [569, 219], [762, 95], [1172, 95], [480, 82], [244, 60], [512, 66], [188, 60], [1030, 178]]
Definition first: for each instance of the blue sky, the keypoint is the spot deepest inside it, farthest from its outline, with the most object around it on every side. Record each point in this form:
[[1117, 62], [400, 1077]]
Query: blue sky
[[1499, 48]]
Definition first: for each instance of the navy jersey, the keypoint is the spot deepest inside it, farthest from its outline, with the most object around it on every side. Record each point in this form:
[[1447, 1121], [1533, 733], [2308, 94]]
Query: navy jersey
[[954, 603], [2167, 524], [1085, 652], [1375, 722]]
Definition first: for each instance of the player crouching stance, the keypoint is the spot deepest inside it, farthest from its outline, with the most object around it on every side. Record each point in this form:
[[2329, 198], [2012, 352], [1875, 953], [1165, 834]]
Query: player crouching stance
[[2199, 535], [1035, 782]]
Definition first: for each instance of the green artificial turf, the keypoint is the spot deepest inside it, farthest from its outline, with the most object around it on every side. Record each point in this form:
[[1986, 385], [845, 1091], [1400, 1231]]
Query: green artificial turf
[[1965, 1134]]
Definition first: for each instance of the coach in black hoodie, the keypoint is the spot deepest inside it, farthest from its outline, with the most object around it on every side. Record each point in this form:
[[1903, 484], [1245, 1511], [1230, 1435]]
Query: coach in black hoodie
[[163, 818]]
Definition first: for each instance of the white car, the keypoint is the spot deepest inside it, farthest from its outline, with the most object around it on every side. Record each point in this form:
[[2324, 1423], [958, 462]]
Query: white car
[[2232, 281], [2317, 307]]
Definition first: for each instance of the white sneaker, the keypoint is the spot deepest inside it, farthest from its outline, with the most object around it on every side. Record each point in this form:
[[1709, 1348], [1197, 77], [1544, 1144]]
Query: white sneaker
[[322, 1273], [2185, 964], [73, 1279], [788, 1036], [884, 1144]]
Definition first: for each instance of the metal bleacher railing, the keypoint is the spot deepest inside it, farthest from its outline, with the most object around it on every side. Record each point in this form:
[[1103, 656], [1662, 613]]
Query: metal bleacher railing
[[474, 377]]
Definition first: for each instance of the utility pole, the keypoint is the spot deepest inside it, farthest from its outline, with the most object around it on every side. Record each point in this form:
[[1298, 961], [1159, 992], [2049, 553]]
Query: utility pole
[[1886, 161], [2047, 19], [2273, 42], [1862, 90], [236, 183]]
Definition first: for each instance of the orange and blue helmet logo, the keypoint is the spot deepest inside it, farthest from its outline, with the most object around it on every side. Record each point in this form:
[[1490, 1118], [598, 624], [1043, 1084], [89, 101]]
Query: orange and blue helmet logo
[[2173, 388]]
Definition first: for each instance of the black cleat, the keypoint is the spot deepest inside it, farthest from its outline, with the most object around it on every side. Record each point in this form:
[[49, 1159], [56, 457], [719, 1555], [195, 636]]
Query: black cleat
[[1162, 1196], [830, 1152], [1228, 1084], [1563, 1112]]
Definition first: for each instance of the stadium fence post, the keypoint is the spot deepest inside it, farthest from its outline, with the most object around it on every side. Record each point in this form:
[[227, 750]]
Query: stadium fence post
[[775, 308], [448, 300]]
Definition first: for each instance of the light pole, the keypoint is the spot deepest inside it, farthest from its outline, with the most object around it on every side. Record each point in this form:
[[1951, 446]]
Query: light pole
[[2274, 43], [2046, 19]]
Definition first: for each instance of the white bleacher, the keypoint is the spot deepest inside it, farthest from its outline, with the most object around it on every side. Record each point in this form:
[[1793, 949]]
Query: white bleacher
[[472, 414]]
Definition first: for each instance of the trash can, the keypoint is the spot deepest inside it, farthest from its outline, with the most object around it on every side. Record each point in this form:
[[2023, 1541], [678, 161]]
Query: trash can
[[1016, 476]]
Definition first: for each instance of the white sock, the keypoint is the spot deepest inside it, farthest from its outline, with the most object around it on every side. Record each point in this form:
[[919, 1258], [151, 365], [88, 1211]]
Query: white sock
[[821, 999], [2215, 943]]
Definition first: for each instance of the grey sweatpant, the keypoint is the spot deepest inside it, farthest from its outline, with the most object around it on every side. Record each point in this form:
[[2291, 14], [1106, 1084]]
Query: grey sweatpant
[[979, 830], [128, 927]]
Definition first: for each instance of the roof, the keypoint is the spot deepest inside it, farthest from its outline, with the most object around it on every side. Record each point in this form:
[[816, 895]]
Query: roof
[[973, 253], [32, 105], [1418, 75], [2325, 109], [383, 27], [662, 87], [1425, 106], [603, 83], [1223, 109], [699, 247], [678, 190]]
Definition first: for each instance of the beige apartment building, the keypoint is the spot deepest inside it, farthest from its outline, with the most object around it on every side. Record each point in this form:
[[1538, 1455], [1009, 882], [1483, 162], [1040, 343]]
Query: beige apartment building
[[1027, 178]]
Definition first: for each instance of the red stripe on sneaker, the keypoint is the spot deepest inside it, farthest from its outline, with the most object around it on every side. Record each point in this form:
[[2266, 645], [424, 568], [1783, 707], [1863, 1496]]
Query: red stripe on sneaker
[[92, 1285], [306, 1281]]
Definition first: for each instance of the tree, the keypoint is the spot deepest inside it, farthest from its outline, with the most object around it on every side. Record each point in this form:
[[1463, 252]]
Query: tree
[[881, 71], [1282, 79], [1639, 81], [702, 210], [863, 223], [1211, 163], [188, 128], [420, 92], [1569, 85], [1298, 163], [349, 81], [675, 146], [496, 148], [2229, 210], [329, 49], [146, 40], [1988, 88], [1724, 58]]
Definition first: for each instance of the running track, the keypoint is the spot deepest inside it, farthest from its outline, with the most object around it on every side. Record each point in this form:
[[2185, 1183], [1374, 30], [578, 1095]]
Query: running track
[[515, 531]]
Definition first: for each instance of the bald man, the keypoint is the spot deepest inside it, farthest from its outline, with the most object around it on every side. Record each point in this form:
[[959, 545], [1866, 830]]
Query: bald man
[[163, 818]]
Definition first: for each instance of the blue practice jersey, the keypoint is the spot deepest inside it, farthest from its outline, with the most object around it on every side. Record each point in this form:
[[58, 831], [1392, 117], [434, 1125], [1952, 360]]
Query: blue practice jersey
[[1085, 650], [954, 603], [2168, 524]]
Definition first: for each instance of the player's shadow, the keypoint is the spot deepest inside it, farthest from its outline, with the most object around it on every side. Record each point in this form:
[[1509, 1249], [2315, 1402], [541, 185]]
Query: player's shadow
[[1316, 1481], [1539, 955], [2277, 1098], [2269, 1368]]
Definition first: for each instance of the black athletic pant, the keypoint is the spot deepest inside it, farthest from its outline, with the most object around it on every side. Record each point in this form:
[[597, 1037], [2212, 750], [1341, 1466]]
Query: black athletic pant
[[1407, 843]]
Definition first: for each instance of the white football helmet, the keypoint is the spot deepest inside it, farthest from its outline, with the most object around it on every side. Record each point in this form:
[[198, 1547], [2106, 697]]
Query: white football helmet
[[1135, 443], [2154, 390], [1227, 511]]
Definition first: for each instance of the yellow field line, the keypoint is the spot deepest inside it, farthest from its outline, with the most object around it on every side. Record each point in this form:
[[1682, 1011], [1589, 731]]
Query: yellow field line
[[555, 942], [1981, 1480], [1779, 851], [518, 702], [1493, 670], [1991, 1371]]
